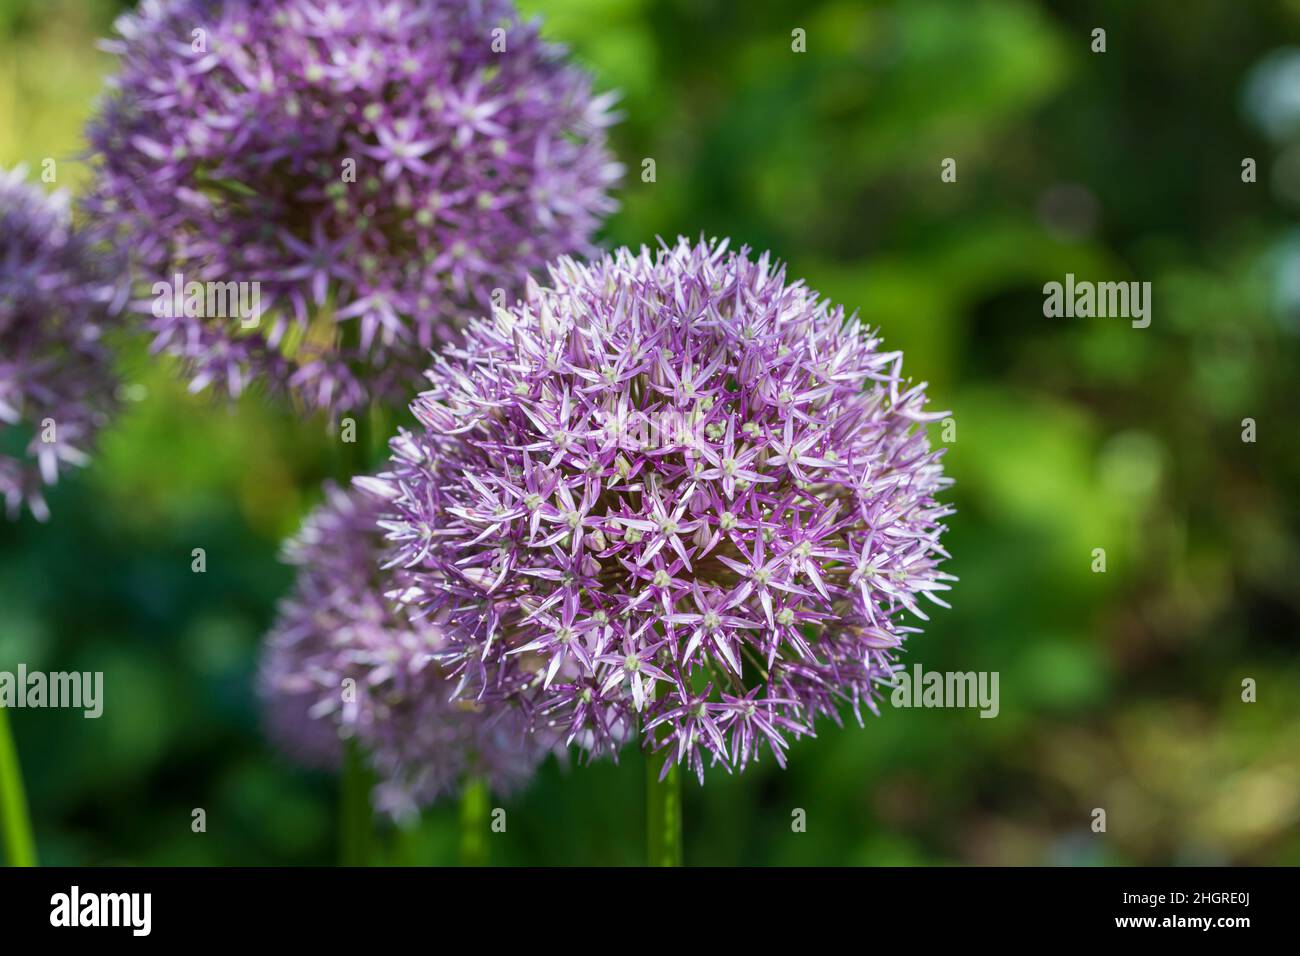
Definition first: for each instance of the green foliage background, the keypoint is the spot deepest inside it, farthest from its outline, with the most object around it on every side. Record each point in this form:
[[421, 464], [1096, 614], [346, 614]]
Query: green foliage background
[[1119, 690]]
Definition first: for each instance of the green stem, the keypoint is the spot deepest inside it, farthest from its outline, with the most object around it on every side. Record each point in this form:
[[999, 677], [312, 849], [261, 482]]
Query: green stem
[[380, 431], [356, 834], [663, 800], [474, 822], [405, 843], [15, 824]]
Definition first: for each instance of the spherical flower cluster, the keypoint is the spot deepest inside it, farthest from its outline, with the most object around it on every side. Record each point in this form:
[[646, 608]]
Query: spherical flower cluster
[[342, 662], [670, 491], [56, 381], [378, 169]]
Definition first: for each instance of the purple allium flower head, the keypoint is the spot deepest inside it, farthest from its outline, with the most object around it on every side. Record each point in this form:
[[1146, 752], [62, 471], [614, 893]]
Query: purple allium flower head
[[379, 168], [342, 661], [56, 380], [670, 490]]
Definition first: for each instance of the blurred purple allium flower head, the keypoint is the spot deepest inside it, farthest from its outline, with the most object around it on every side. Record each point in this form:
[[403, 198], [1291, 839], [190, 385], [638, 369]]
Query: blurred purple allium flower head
[[342, 662], [378, 169], [670, 491], [56, 381]]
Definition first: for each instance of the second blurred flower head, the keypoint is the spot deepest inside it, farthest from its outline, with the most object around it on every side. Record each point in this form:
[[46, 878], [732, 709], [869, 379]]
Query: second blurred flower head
[[373, 171]]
